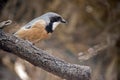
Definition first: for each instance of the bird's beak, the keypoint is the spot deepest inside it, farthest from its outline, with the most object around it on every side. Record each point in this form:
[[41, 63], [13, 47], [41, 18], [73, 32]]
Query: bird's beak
[[63, 21]]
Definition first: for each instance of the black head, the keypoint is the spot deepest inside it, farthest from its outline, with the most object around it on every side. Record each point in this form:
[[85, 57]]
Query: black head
[[52, 20], [57, 19]]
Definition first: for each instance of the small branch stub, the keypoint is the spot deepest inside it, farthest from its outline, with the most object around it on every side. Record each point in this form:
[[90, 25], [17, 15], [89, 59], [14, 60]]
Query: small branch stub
[[5, 23]]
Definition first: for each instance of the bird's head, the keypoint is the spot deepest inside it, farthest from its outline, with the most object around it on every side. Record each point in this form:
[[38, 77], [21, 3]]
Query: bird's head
[[52, 20]]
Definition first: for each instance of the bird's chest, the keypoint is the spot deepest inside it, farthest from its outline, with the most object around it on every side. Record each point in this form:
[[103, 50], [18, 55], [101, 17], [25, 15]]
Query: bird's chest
[[36, 34]]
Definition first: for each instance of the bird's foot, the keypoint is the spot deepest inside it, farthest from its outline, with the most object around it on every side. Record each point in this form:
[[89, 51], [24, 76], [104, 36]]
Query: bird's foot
[[48, 50], [30, 42]]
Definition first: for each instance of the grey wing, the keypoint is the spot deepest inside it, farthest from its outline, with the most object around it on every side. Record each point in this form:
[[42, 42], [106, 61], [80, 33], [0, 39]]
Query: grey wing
[[29, 25]]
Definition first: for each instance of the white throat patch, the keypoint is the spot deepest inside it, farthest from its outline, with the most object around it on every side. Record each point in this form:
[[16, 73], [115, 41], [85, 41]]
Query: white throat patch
[[55, 24]]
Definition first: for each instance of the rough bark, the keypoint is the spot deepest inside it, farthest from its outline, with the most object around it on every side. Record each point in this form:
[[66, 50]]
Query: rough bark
[[43, 59]]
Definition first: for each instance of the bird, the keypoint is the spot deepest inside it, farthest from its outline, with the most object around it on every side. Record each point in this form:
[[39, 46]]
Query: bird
[[40, 28]]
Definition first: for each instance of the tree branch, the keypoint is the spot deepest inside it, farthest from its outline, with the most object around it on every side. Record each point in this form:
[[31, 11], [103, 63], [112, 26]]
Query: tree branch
[[43, 59]]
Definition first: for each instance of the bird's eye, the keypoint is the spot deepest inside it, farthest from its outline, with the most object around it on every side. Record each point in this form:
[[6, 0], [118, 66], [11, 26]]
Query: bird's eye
[[55, 19], [58, 18]]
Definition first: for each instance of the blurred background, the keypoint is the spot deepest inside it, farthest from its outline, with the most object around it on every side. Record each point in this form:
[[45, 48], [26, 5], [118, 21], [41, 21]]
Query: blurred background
[[91, 37]]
